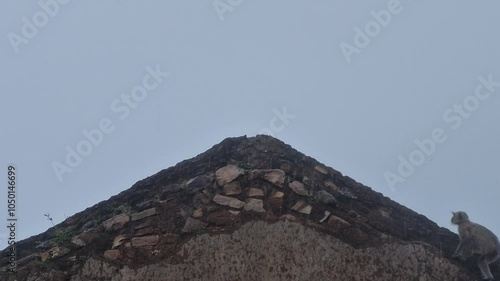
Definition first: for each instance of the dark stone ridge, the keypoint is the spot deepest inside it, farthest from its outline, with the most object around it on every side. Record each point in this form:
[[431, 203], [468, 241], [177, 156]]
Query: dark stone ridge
[[256, 193]]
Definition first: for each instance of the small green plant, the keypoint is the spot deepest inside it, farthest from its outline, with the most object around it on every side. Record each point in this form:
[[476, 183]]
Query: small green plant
[[125, 209], [63, 236], [43, 265]]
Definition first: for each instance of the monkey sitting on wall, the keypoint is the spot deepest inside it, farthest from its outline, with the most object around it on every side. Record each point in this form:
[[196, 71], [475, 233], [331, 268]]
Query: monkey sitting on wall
[[476, 239]]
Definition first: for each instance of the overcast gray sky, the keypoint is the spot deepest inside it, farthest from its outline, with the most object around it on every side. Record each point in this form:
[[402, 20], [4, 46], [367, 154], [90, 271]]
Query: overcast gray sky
[[399, 95]]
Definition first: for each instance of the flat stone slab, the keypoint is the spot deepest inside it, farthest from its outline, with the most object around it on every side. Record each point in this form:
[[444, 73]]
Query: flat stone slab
[[276, 177], [298, 188], [227, 174], [112, 255], [145, 241], [288, 217], [54, 253], [326, 198], [321, 169], [145, 231], [144, 214], [116, 222], [254, 205], [278, 194], [223, 217], [228, 201], [302, 208], [254, 192]]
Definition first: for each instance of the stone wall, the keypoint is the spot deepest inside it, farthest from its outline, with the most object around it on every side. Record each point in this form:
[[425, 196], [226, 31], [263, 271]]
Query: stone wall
[[284, 251]]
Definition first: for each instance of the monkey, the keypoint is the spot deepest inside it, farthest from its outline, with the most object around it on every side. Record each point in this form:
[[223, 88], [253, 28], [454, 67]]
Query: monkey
[[476, 239]]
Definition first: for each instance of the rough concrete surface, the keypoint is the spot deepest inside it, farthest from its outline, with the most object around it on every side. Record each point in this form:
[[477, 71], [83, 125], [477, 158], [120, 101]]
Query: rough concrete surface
[[284, 251]]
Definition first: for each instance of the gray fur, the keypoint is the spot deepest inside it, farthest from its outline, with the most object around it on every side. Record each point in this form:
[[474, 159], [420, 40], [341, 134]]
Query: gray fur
[[476, 239]]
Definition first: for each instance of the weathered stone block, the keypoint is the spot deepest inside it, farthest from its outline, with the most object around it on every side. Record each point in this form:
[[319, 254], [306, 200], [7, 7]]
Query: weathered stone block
[[232, 188], [302, 208], [54, 253], [227, 174], [144, 214], [326, 198], [337, 223], [254, 192], [276, 177], [193, 225], [144, 241], [198, 213], [321, 169], [145, 231], [112, 255], [298, 188], [223, 217], [254, 205], [116, 222], [120, 239], [228, 201]]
